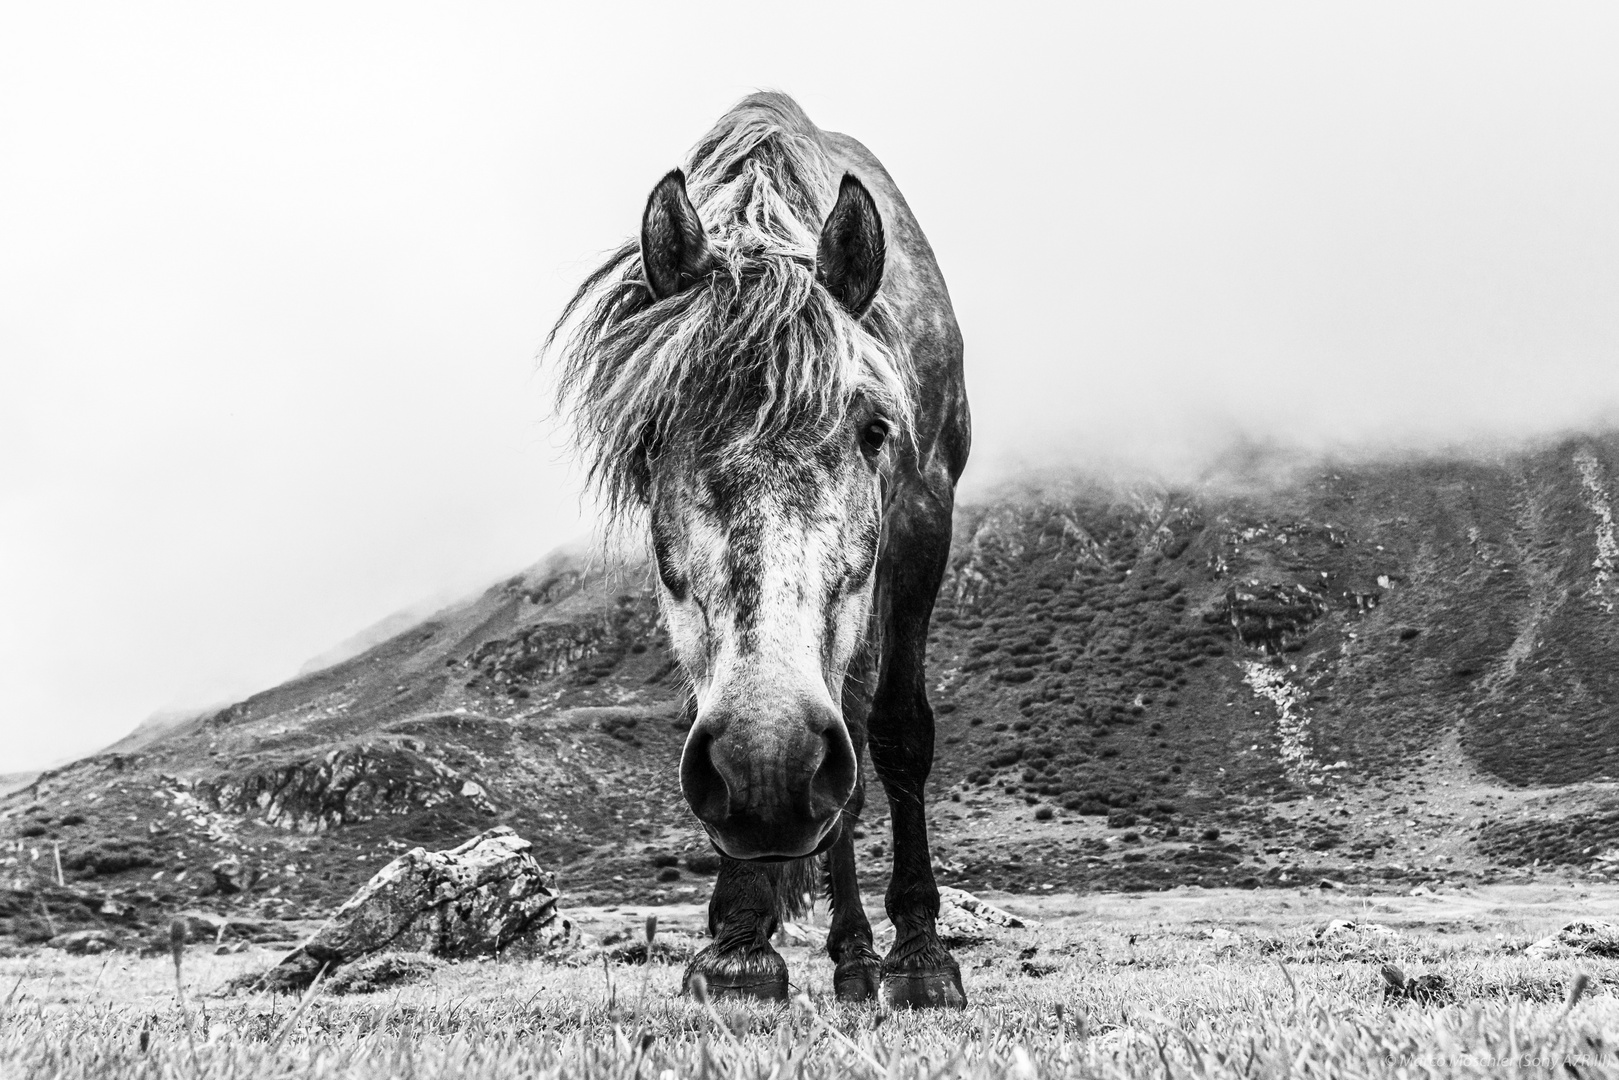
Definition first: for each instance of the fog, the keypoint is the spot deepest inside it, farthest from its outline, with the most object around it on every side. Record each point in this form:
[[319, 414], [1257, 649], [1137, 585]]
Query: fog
[[272, 281]]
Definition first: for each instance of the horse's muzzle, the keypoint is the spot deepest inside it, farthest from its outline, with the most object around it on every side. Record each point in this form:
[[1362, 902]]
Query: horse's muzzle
[[768, 787]]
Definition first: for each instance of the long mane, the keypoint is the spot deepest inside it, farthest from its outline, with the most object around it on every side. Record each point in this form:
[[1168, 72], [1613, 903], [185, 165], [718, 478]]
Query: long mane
[[759, 347]]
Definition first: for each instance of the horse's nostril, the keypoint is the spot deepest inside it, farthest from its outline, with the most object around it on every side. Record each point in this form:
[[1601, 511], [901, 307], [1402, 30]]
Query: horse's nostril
[[702, 782], [835, 778]]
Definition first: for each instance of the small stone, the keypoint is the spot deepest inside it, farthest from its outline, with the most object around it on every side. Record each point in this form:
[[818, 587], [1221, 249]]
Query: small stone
[[797, 934], [1422, 990], [1349, 928], [116, 909], [228, 876], [84, 942]]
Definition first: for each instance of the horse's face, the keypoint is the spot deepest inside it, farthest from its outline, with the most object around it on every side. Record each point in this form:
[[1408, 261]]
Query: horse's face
[[765, 554], [766, 548]]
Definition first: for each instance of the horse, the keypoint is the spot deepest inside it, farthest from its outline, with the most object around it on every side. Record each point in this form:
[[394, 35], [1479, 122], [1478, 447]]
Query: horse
[[769, 379]]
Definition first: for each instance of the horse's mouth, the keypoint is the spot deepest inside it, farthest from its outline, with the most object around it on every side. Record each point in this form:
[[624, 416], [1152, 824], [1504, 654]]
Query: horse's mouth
[[828, 837]]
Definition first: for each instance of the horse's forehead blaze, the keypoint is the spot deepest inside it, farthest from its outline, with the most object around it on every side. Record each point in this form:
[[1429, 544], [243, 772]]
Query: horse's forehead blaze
[[766, 527], [770, 557]]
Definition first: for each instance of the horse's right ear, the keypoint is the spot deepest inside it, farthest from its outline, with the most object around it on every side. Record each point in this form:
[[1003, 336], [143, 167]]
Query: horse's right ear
[[674, 245], [849, 259]]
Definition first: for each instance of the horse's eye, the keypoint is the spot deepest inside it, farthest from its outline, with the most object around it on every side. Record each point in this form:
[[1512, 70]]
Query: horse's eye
[[872, 437]]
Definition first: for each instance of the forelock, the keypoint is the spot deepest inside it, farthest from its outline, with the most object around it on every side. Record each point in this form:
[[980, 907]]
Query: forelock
[[759, 350]]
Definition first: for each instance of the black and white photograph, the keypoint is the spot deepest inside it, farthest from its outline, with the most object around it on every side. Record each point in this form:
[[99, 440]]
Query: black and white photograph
[[736, 540]]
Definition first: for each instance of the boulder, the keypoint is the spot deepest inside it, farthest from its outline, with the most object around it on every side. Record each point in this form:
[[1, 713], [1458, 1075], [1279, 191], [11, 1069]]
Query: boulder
[[959, 928], [964, 920], [472, 900], [969, 903], [1583, 938]]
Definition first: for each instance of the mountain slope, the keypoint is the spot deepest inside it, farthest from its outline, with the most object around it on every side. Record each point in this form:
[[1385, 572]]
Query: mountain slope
[[1370, 671]]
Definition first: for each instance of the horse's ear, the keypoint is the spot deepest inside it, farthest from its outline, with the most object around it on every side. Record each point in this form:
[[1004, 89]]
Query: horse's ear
[[849, 260], [674, 245]]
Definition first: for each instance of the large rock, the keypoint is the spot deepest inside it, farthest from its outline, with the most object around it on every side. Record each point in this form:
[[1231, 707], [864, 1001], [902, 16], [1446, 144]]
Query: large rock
[[472, 900], [965, 920], [980, 909], [1588, 937]]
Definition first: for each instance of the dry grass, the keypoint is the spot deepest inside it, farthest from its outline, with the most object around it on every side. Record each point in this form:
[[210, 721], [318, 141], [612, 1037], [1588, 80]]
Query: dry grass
[[1172, 1002]]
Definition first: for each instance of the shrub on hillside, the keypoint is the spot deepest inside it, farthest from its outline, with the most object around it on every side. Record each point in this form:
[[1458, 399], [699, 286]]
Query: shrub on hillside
[[703, 862], [1575, 839], [112, 855]]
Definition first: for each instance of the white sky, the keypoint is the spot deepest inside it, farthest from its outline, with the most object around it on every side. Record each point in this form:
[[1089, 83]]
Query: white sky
[[273, 277]]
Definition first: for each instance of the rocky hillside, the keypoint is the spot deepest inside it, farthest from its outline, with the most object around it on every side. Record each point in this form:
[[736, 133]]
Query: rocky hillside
[[1380, 671]]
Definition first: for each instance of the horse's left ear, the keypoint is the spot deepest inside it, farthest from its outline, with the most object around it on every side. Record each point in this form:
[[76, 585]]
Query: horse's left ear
[[849, 259]]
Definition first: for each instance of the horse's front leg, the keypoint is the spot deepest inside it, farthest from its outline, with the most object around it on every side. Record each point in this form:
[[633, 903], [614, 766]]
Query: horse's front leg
[[918, 971], [741, 919], [848, 941], [857, 970]]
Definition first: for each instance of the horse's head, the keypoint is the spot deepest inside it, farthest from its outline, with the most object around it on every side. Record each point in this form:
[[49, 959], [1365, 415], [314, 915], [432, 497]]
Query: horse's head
[[763, 489]]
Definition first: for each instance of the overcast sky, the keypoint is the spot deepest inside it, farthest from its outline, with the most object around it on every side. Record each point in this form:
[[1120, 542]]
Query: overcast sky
[[273, 277]]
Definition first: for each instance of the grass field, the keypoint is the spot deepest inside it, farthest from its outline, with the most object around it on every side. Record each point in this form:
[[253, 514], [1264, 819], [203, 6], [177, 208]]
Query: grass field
[[1110, 985]]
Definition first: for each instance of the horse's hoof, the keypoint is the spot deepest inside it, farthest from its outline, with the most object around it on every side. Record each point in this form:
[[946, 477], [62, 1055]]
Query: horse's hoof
[[914, 984], [937, 990], [753, 973], [856, 979]]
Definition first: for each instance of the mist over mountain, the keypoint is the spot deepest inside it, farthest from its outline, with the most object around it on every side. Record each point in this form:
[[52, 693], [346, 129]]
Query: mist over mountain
[[1385, 668]]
